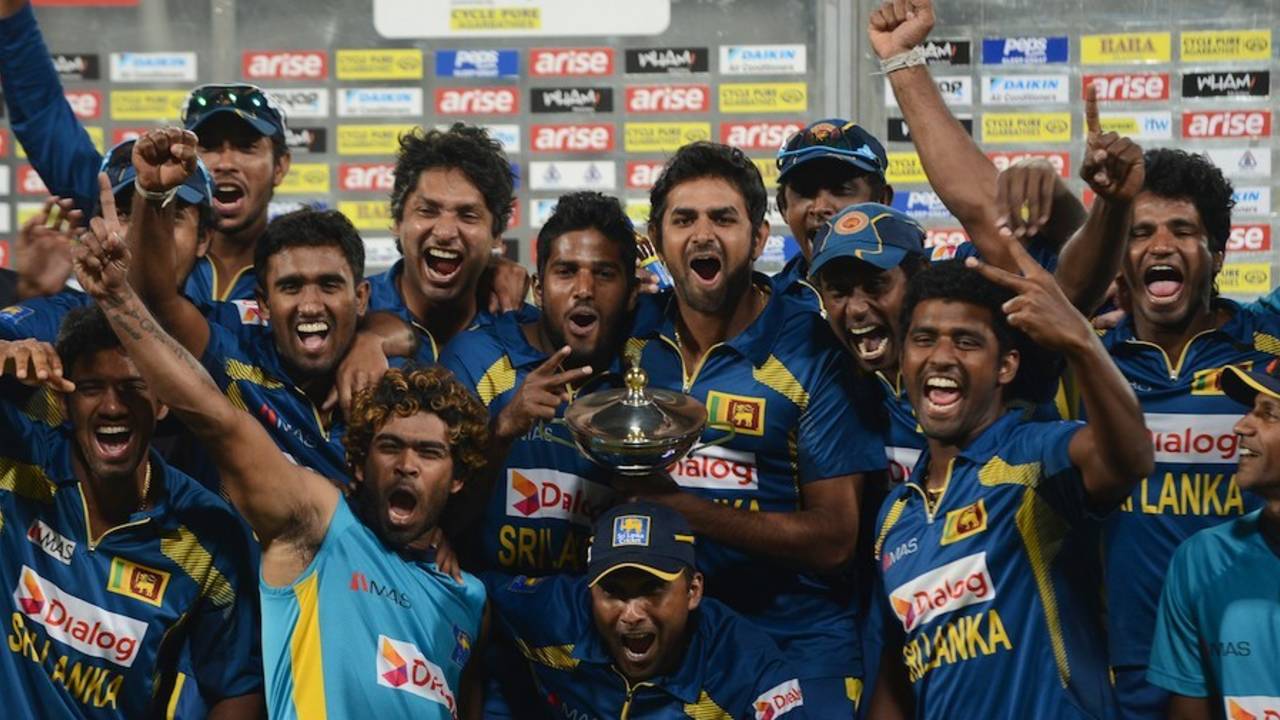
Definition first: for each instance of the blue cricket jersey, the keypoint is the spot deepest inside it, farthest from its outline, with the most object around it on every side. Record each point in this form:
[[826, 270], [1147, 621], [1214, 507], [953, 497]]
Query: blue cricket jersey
[[786, 388], [1217, 633], [155, 617], [1193, 485], [996, 588], [364, 632], [730, 668], [201, 287]]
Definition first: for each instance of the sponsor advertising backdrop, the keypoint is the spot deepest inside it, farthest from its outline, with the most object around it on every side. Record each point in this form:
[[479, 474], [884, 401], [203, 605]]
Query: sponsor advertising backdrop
[[598, 100]]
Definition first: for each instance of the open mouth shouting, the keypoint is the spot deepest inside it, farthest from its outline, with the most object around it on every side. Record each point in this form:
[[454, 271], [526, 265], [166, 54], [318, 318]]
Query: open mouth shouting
[[942, 395], [706, 267], [112, 441], [638, 647], [442, 265], [402, 506], [228, 198], [870, 342], [312, 335], [1164, 284], [582, 321]]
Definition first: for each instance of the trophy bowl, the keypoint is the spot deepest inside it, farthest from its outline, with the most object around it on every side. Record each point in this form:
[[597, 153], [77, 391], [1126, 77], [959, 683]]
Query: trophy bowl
[[634, 430]]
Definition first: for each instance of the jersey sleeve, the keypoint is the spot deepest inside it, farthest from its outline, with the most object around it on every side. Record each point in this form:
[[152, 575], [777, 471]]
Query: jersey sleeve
[[40, 318], [226, 651], [838, 434], [23, 437], [1175, 647], [57, 144], [224, 344], [1061, 484]]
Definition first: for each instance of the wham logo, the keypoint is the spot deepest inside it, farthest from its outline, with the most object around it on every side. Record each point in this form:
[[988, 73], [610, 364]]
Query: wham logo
[[716, 468], [403, 667], [53, 543], [541, 493], [778, 701], [81, 625], [943, 590], [1186, 438]]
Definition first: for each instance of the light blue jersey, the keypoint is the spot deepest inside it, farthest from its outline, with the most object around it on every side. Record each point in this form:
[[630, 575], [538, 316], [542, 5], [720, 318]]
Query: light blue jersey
[[363, 632], [1218, 629]]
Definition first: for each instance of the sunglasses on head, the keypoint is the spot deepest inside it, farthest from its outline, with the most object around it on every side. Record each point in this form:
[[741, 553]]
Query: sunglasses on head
[[246, 98], [826, 139]]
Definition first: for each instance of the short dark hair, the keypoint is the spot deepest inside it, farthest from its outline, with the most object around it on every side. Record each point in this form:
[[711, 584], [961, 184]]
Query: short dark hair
[[309, 227], [1180, 175], [84, 330], [707, 159], [462, 147], [584, 210]]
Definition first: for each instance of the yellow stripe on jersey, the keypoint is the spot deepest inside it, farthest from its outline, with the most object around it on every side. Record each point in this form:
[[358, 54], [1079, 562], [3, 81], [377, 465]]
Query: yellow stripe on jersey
[[999, 472], [1042, 532], [706, 709], [237, 398], [1269, 344], [499, 378], [237, 370], [26, 481], [305, 652], [853, 690], [556, 657], [774, 375], [46, 406], [890, 519], [172, 711], [182, 547]]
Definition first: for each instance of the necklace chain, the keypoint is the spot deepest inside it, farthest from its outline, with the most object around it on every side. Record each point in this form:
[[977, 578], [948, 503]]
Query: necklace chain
[[146, 488]]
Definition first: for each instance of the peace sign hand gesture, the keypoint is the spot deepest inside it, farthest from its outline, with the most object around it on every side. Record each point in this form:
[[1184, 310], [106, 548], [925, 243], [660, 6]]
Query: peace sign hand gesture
[[539, 396], [1040, 309]]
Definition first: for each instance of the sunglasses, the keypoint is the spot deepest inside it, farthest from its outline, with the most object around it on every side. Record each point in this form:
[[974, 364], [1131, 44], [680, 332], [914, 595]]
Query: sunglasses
[[248, 99], [827, 139]]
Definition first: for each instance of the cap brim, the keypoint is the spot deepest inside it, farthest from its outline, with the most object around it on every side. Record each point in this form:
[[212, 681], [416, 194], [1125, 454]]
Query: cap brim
[[264, 127], [193, 195], [665, 569], [854, 160], [1243, 386], [885, 258]]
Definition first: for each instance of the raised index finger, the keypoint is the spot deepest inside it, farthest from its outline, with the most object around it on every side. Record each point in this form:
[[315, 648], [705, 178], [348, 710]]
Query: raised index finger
[[553, 362], [1000, 276], [106, 198], [1091, 110]]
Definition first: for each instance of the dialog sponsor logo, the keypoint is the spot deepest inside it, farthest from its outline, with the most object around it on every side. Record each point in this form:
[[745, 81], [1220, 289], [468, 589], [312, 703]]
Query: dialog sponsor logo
[[147, 104], [301, 102], [571, 62], [905, 167], [1252, 200], [572, 175], [86, 104], [81, 625], [663, 136], [250, 312], [1226, 123], [575, 138], [541, 493], [713, 467], [640, 61], [1245, 279], [54, 544], [1249, 238], [943, 51], [1128, 87], [379, 102], [379, 64], [306, 139], [1250, 83], [1025, 50], [1186, 438], [1026, 127], [763, 135], [478, 100], [778, 701], [642, 175], [1024, 89], [402, 666], [571, 99], [305, 179], [955, 90], [897, 130], [366, 177], [1061, 161], [153, 67], [1221, 45], [1157, 125], [478, 63], [943, 590], [648, 99], [1126, 48], [1242, 162], [762, 60], [764, 97], [921, 205], [367, 214], [29, 181], [284, 64], [76, 66]]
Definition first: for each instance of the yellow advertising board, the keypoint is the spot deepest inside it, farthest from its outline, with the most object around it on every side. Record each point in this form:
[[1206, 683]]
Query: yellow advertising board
[[379, 64], [1245, 279], [305, 179], [641, 137], [905, 167], [147, 104], [1219, 45], [769, 171], [370, 139], [1126, 48], [764, 97], [498, 18], [1026, 127], [367, 214]]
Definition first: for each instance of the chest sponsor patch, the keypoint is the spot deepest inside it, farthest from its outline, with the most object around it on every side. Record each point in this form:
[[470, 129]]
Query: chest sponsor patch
[[1252, 707], [713, 467], [53, 543], [401, 665], [964, 523], [945, 589], [779, 700], [550, 494], [79, 624], [1190, 439], [744, 414], [137, 581]]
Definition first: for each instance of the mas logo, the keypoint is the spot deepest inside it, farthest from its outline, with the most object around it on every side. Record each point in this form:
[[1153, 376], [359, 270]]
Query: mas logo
[[778, 701], [137, 581], [744, 414], [631, 530], [53, 543], [403, 667], [964, 523], [943, 590]]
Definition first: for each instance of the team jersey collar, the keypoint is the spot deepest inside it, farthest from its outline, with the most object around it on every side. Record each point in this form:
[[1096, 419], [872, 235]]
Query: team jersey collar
[[756, 341], [982, 449], [685, 683], [158, 510], [509, 327], [1240, 324]]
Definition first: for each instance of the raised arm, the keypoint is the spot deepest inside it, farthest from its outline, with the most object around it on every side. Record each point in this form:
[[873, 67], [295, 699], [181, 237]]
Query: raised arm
[[281, 501]]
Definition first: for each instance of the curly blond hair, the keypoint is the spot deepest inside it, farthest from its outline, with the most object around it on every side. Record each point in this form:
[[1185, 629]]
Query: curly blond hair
[[409, 391]]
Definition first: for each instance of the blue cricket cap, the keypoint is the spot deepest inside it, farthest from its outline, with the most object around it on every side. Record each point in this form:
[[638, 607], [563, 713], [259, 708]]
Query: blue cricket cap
[[870, 232]]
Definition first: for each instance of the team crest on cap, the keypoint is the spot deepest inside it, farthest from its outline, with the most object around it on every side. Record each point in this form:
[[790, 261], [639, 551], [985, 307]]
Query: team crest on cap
[[822, 131], [852, 222], [631, 530]]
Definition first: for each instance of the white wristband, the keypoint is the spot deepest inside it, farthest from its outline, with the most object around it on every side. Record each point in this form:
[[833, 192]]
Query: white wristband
[[914, 56], [164, 198]]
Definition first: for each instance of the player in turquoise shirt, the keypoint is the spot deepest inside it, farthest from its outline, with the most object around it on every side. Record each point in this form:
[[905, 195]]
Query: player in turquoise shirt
[[635, 638], [128, 587], [1217, 634], [358, 621], [989, 552]]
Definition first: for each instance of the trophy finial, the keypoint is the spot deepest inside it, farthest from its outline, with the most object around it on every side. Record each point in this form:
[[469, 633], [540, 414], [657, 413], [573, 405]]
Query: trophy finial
[[636, 380]]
